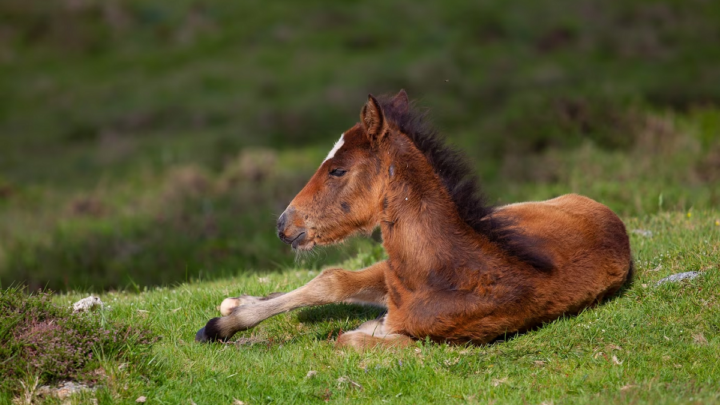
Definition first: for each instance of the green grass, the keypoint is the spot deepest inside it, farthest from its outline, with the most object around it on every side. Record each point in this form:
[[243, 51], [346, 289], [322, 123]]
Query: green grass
[[43, 343], [652, 344]]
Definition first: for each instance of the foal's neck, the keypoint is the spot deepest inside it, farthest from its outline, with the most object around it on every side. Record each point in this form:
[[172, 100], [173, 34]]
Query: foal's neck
[[422, 229]]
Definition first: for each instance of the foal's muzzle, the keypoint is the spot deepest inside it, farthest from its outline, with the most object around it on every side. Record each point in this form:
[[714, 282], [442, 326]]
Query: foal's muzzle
[[289, 232]]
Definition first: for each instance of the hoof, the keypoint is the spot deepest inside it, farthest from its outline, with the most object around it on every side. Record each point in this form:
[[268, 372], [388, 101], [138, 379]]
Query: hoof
[[200, 336], [210, 333]]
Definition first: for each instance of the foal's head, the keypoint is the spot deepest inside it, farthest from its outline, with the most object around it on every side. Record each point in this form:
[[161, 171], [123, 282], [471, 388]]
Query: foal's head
[[345, 194]]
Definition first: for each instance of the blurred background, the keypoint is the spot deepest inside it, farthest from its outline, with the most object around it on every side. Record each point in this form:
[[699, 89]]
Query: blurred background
[[147, 142]]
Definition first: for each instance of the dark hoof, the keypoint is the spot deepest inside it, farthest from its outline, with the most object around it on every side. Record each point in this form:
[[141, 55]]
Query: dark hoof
[[210, 333], [200, 336]]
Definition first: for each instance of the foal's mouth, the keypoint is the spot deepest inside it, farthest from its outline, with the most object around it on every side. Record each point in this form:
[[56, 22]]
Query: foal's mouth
[[303, 243], [295, 243], [299, 242]]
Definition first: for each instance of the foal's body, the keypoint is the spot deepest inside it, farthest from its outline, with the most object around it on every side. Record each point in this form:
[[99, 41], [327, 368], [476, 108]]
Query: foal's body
[[457, 270]]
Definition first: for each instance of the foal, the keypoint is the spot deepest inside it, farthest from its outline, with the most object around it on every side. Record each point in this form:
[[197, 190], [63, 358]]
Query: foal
[[458, 269]]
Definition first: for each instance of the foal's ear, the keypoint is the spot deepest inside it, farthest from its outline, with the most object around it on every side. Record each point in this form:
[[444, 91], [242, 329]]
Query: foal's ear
[[401, 102], [373, 119]]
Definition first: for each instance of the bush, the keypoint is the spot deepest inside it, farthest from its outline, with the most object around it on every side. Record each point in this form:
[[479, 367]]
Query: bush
[[39, 338]]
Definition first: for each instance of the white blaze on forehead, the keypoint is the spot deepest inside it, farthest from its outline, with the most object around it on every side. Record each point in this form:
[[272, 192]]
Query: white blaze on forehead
[[335, 148]]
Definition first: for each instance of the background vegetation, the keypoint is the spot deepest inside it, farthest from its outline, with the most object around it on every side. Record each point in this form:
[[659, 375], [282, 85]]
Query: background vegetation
[[148, 142]]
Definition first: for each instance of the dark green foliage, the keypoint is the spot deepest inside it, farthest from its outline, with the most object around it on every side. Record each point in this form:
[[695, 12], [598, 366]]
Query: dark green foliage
[[107, 105], [39, 338], [525, 76], [194, 228]]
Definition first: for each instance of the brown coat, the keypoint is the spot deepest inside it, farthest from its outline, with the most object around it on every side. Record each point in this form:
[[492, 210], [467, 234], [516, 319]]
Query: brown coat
[[458, 269]]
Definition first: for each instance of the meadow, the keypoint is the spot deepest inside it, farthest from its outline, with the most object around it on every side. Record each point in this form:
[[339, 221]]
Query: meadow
[[653, 344], [147, 147]]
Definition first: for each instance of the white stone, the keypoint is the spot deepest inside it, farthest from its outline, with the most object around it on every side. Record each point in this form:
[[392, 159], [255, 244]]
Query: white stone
[[87, 304], [679, 277]]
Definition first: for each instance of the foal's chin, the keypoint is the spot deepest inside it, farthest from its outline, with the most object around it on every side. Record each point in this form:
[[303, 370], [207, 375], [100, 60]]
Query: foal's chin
[[310, 245], [305, 247]]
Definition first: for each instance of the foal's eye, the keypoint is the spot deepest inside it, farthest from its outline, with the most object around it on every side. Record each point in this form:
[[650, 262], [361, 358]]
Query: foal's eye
[[338, 172]]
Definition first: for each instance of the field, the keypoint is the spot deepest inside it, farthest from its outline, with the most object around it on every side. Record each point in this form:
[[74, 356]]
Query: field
[[147, 147], [652, 344]]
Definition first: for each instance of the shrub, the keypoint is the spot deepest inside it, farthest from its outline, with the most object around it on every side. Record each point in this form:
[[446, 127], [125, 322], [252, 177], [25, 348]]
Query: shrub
[[39, 338]]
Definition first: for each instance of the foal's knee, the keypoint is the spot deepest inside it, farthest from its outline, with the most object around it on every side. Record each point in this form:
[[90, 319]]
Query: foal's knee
[[356, 340], [361, 341], [331, 274], [330, 284]]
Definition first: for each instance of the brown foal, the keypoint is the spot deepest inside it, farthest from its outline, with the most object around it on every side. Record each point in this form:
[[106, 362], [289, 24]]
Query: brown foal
[[458, 270]]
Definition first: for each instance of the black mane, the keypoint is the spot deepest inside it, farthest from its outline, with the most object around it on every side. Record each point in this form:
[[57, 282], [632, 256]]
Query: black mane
[[462, 184]]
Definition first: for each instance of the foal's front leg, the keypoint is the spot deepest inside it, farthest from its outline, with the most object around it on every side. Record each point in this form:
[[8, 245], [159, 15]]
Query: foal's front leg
[[332, 285], [228, 304]]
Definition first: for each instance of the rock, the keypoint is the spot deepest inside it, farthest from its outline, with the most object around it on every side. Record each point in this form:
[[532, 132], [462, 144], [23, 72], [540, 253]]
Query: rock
[[679, 277], [64, 390], [87, 304], [643, 232], [346, 380]]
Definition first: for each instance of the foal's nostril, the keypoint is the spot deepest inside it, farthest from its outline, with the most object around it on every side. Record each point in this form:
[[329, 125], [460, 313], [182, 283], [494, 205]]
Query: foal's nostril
[[281, 223], [287, 230]]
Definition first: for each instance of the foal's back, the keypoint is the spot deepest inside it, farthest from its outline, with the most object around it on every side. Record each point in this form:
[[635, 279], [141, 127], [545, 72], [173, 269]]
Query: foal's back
[[585, 240]]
